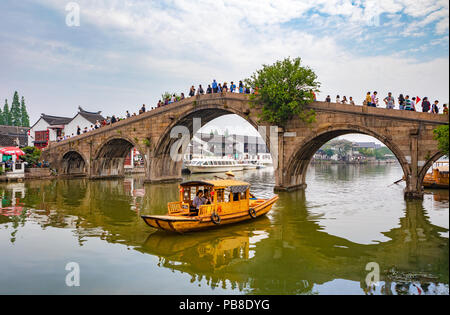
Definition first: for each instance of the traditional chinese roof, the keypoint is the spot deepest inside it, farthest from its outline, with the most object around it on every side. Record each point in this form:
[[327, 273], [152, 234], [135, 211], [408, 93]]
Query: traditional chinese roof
[[91, 116], [216, 183]]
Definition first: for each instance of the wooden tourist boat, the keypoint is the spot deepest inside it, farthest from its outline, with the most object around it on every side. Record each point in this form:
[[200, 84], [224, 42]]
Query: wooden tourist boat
[[231, 202], [439, 178]]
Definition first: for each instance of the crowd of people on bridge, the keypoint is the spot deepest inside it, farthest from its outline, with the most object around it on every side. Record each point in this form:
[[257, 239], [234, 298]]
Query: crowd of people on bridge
[[408, 103], [371, 100]]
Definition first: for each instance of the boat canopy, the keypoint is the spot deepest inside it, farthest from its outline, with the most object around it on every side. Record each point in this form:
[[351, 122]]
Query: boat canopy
[[235, 185]]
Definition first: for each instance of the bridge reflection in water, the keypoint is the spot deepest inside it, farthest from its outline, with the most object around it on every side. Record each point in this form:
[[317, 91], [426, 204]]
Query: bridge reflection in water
[[286, 253]]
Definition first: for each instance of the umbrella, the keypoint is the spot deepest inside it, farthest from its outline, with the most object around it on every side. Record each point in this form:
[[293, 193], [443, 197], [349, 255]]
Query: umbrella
[[12, 151]]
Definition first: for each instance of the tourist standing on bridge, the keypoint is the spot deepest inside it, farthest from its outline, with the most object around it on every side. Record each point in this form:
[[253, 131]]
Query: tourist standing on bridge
[[215, 86], [232, 87], [408, 103], [374, 99], [401, 102], [338, 99], [113, 119], [225, 87], [352, 102], [209, 89], [445, 109], [328, 99], [390, 101], [143, 109], [435, 108], [426, 105], [182, 97], [368, 99], [200, 91], [344, 100], [192, 91], [78, 130], [128, 114]]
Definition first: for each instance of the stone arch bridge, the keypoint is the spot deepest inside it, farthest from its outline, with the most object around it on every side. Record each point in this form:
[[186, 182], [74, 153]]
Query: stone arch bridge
[[101, 153]]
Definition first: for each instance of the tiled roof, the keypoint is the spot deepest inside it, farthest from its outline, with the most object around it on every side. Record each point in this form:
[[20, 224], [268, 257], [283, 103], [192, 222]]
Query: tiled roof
[[55, 120], [9, 135], [90, 116]]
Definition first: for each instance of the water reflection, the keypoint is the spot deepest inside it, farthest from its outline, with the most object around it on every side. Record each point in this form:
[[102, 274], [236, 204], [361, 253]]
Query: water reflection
[[288, 252]]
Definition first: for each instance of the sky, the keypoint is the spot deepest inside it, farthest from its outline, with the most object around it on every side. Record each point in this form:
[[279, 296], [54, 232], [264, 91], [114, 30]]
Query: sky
[[126, 53]]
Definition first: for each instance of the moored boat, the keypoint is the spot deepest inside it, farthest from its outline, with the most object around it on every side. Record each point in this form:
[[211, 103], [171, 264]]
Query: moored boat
[[439, 177], [230, 201], [213, 166]]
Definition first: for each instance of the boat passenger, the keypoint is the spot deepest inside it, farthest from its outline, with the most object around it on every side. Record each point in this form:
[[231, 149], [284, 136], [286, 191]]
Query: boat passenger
[[198, 201], [207, 198]]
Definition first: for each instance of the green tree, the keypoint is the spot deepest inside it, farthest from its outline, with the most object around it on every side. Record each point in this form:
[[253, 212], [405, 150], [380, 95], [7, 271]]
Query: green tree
[[168, 95], [16, 115], [32, 156], [2, 119], [284, 90], [441, 135], [6, 114], [25, 116]]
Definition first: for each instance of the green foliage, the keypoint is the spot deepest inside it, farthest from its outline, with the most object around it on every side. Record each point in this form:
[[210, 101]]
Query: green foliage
[[168, 95], [367, 152], [441, 135], [284, 89], [6, 114], [32, 156], [146, 142], [24, 113], [16, 115]]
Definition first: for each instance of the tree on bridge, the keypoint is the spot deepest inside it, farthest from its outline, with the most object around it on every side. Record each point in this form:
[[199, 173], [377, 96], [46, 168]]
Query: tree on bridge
[[284, 90], [441, 135]]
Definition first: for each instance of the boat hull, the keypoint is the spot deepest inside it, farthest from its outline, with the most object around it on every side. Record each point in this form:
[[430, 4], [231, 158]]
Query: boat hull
[[214, 169], [182, 224]]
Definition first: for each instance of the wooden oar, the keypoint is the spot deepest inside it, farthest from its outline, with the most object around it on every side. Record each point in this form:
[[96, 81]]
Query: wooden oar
[[397, 182]]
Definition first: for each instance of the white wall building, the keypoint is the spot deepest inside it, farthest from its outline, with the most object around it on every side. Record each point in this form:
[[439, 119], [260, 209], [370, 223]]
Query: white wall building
[[49, 128], [83, 120], [46, 129]]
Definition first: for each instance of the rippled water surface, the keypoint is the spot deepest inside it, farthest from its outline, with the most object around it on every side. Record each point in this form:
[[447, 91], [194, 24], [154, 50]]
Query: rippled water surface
[[315, 242]]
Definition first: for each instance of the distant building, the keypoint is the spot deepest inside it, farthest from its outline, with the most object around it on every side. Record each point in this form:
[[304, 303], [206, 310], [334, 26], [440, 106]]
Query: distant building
[[366, 145], [11, 136], [47, 128], [51, 128], [233, 146], [83, 119]]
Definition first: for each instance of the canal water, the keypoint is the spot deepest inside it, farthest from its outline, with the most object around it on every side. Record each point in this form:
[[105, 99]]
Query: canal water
[[349, 224]]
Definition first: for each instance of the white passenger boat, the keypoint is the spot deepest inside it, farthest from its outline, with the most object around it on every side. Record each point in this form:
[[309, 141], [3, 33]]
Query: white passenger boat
[[198, 166]]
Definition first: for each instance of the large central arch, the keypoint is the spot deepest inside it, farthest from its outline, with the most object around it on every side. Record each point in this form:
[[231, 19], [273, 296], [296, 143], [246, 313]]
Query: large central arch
[[163, 167], [296, 171]]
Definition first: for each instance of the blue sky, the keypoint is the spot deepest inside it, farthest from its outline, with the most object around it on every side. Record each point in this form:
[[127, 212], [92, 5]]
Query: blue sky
[[127, 53]]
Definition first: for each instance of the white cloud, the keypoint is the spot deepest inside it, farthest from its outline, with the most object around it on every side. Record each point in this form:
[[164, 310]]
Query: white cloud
[[196, 41]]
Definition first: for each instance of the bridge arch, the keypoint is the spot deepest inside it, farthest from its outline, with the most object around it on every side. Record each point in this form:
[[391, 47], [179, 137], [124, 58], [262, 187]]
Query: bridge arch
[[423, 172], [163, 167], [294, 175], [73, 163], [110, 154]]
